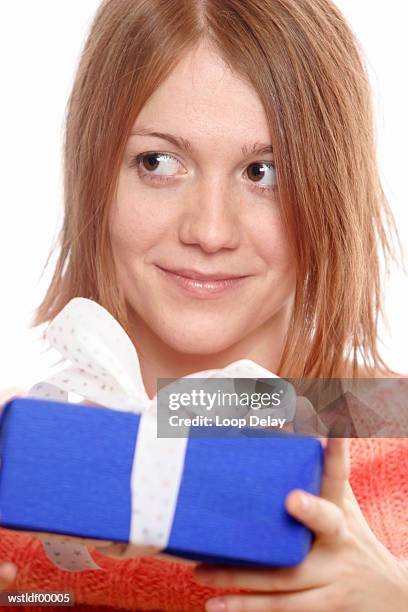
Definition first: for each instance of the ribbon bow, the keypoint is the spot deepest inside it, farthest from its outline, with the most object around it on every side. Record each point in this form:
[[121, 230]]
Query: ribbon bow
[[102, 366]]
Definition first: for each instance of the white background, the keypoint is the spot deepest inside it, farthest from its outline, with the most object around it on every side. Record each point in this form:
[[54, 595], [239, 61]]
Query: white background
[[40, 44]]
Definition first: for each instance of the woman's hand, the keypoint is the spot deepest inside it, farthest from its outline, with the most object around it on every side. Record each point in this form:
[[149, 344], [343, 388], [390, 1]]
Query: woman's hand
[[120, 550], [347, 568]]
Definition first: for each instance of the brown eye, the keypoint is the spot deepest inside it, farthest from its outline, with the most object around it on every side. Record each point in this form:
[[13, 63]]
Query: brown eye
[[150, 161], [262, 172], [156, 164]]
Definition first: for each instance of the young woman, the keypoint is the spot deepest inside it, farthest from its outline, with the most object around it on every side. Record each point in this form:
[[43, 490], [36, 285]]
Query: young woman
[[214, 139]]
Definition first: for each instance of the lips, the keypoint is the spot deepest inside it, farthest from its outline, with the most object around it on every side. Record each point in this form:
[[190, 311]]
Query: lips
[[202, 276], [205, 286]]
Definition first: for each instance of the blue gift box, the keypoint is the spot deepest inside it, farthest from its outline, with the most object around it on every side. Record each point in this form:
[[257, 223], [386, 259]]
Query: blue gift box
[[66, 468]]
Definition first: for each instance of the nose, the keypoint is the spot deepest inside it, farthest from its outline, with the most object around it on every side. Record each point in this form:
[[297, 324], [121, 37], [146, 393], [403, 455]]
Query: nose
[[210, 217]]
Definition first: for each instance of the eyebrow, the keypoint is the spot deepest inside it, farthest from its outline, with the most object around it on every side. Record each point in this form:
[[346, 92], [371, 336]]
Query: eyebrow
[[256, 148]]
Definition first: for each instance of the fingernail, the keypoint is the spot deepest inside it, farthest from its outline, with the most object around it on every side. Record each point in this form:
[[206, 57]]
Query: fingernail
[[216, 605], [303, 502], [8, 571]]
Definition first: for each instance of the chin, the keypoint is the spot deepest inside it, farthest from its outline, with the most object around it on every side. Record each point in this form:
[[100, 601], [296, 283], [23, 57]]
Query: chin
[[199, 341]]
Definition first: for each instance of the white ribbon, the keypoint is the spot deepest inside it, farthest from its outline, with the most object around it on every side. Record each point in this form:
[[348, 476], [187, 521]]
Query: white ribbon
[[103, 367]]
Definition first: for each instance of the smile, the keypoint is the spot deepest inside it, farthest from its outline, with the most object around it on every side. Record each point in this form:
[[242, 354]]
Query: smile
[[202, 288]]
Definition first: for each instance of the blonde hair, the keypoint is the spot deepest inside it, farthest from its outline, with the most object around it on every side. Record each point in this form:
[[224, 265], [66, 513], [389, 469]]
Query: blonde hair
[[305, 64]]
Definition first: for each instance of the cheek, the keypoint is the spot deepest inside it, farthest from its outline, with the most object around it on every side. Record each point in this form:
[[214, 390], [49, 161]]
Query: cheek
[[135, 226], [273, 246]]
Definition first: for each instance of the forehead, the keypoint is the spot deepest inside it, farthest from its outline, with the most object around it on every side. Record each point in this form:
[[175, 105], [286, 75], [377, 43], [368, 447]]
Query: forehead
[[202, 97]]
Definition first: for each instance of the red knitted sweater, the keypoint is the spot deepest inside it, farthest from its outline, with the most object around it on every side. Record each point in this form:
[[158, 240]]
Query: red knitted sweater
[[379, 469]]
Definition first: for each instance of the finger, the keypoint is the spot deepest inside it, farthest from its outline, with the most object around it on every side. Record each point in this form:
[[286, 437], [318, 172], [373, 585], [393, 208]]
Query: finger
[[9, 394], [174, 559], [323, 517], [313, 600], [352, 510], [308, 574], [124, 550], [8, 572], [336, 470], [323, 442], [116, 550]]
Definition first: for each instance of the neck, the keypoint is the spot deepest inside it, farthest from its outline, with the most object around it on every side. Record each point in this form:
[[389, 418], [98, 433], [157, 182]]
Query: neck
[[158, 359]]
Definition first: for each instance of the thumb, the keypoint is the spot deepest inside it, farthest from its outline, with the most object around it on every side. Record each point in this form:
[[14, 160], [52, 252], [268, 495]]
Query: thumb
[[8, 572]]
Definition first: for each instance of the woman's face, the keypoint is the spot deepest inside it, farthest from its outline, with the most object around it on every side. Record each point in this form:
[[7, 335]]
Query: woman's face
[[196, 192]]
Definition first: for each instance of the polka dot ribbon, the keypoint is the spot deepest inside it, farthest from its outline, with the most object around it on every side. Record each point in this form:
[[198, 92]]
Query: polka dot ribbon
[[101, 365]]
